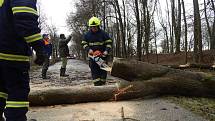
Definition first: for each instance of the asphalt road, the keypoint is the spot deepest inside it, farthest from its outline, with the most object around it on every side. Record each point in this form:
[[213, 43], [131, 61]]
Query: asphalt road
[[134, 110]]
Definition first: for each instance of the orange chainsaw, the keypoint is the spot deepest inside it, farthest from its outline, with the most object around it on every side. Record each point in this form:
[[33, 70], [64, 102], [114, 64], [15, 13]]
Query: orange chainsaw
[[97, 57]]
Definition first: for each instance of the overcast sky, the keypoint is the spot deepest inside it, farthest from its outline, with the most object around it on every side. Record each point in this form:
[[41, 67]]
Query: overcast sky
[[58, 10]]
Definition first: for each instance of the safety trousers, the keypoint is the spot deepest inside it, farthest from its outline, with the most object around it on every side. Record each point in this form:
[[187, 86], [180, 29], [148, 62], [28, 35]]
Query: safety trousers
[[97, 73], [14, 90]]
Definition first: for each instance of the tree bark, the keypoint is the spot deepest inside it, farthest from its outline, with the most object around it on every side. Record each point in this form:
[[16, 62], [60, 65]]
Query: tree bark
[[178, 29], [185, 30], [54, 96], [159, 80], [146, 80], [198, 57], [121, 28], [139, 39]]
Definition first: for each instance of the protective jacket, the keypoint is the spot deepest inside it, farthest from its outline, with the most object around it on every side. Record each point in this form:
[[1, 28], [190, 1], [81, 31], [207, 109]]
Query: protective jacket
[[47, 47], [63, 47], [97, 41], [18, 29]]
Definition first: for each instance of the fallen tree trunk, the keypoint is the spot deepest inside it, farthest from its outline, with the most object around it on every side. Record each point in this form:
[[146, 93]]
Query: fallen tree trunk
[[54, 96], [151, 79], [192, 65], [145, 80]]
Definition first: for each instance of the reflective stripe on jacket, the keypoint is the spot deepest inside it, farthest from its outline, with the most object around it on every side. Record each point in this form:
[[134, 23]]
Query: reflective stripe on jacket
[[97, 41], [18, 29]]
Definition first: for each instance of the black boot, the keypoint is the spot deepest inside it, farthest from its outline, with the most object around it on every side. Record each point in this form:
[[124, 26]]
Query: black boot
[[44, 71], [99, 83], [62, 72]]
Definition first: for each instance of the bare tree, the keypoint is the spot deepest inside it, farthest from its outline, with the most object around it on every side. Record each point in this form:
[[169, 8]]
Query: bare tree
[[185, 28], [176, 24], [139, 38], [213, 30], [197, 33], [122, 30], [170, 29]]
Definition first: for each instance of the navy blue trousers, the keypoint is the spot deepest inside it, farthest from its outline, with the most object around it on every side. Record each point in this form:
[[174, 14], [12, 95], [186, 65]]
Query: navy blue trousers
[[14, 81], [97, 73]]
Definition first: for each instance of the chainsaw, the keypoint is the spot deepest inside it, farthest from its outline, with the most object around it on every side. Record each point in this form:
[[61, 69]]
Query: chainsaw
[[97, 57]]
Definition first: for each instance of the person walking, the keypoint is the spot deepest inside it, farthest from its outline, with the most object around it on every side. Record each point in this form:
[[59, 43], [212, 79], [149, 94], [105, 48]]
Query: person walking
[[97, 42], [18, 32]]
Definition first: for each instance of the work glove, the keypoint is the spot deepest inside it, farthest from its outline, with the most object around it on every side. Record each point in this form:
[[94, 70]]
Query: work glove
[[97, 53], [40, 53], [105, 53], [90, 52]]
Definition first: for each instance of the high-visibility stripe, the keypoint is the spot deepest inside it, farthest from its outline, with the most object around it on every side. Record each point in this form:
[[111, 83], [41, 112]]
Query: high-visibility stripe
[[96, 43], [109, 46], [46, 42], [17, 104], [85, 46], [3, 95], [24, 9], [98, 79], [12, 57], [83, 42], [1, 2], [33, 38], [108, 41]]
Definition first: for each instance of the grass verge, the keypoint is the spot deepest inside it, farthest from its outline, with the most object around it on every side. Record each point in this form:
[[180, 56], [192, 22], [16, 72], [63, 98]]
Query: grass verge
[[201, 106]]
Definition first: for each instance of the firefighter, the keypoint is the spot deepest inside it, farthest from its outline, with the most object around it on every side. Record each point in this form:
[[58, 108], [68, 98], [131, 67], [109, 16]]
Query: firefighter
[[97, 40], [48, 52], [18, 32], [64, 53]]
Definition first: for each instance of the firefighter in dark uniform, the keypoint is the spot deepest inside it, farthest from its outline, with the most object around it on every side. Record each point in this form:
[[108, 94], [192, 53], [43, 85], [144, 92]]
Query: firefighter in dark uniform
[[18, 32], [97, 40], [48, 51], [64, 53]]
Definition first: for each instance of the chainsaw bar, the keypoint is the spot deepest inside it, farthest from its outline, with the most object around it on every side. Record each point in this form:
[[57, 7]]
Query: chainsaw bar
[[101, 63]]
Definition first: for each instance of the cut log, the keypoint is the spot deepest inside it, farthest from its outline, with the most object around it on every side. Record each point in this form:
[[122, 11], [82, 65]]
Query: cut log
[[54, 96], [192, 65], [151, 79]]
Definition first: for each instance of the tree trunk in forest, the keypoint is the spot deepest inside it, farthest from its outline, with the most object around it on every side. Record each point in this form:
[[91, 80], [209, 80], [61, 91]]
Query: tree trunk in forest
[[177, 25], [208, 27], [156, 47], [139, 39], [173, 19], [198, 57], [170, 29], [118, 40], [213, 30], [185, 30], [178, 41], [121, 28], [147, 25]]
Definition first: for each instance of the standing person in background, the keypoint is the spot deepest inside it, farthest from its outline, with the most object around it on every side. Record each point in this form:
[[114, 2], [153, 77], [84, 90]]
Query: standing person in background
[[48, 52], [64, 53], [97, 42], [18, 32]]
